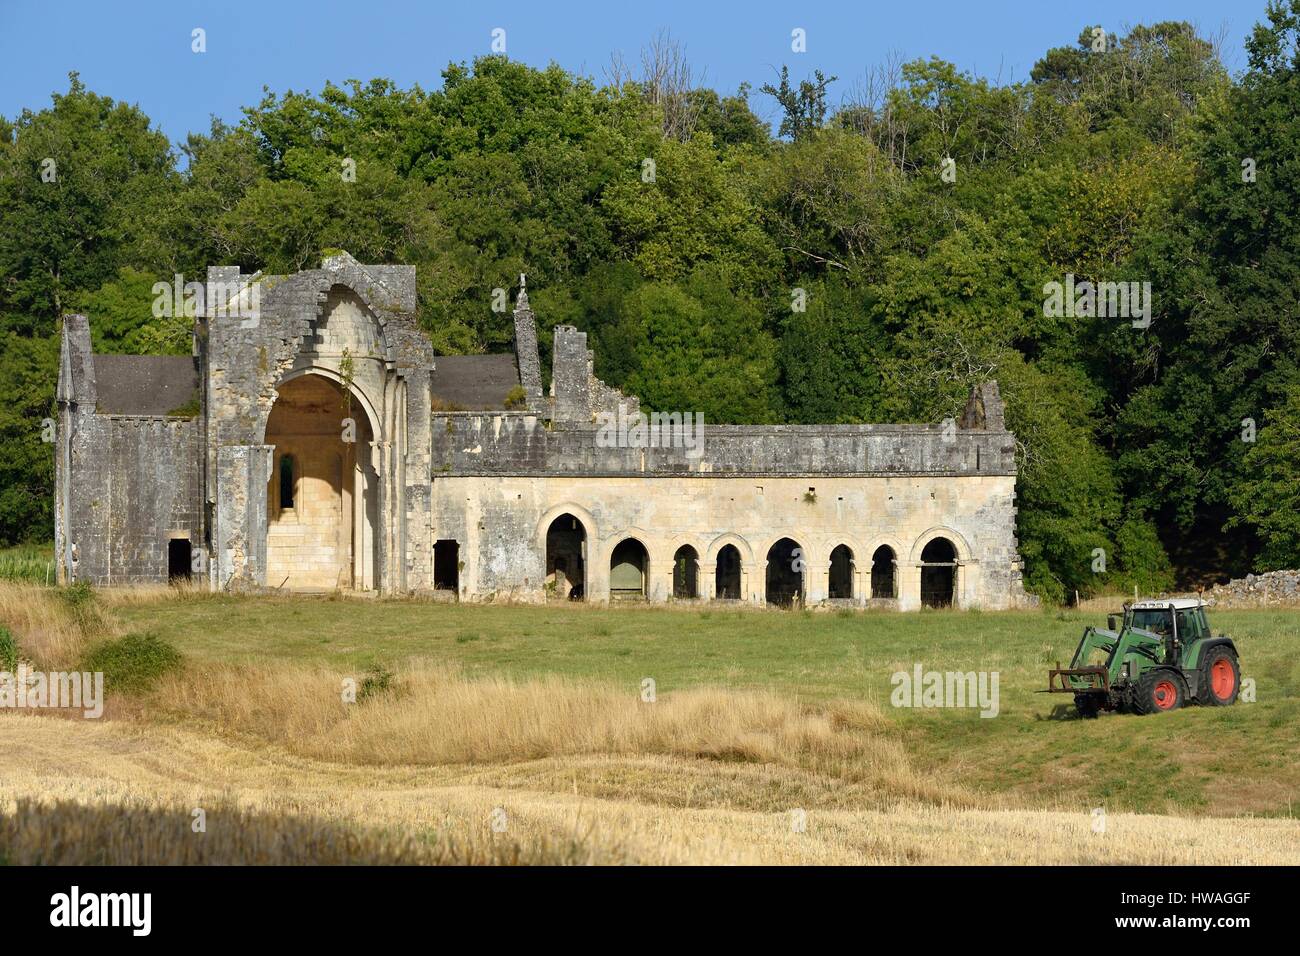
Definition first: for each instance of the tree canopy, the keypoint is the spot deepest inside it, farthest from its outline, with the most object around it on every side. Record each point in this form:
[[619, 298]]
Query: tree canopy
[[869, 261]]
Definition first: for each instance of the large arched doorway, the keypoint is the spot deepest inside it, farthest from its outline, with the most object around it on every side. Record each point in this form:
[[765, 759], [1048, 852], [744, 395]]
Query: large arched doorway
[[566, 559], [726, 584], [686, 573], [785, 570], [322, 499], [629, 569], [840, 583], [938, 573], [883, 564]]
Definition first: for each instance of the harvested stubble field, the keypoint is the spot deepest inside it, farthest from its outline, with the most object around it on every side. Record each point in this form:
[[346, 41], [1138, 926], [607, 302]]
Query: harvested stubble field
[[771, 740]]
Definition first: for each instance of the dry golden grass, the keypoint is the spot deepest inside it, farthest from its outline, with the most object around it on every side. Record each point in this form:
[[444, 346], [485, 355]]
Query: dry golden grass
[[53, 630], [139, 832], [138, 594], [434, 716], [583, 772], [118, 764]]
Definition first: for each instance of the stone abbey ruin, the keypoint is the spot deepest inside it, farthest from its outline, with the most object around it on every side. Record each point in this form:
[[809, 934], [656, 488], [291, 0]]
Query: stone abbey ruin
[[315, 442]]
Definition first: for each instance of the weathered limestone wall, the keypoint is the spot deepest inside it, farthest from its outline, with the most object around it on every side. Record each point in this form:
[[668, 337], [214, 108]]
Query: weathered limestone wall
[[1269, 589], [137, 488], [502, 522], [125, 484], [507, 443], [353, 324], [368, 512]]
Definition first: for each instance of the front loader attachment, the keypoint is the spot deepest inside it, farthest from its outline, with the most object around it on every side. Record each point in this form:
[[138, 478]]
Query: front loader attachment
[[1078, 680]]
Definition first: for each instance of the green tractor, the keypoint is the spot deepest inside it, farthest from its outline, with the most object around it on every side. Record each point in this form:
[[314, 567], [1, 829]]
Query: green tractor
[[1161, 657]]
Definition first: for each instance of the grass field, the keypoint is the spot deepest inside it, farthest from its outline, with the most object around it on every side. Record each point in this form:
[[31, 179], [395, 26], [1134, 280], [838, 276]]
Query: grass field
[[761, 718]]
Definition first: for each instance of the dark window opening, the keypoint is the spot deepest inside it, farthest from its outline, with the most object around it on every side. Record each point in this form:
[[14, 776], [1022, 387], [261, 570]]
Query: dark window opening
[[882, 573], [566, 551], [685, 572], [938, 573], [178, 559], [785, 573], [286, 482], [841, 577], [446, 566], [727, 582]]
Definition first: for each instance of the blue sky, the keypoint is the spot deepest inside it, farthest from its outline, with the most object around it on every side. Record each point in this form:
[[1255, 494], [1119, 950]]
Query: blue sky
[[140, 51]]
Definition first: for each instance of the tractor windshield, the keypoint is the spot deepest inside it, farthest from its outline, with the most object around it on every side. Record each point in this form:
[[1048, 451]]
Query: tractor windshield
[[1154, 620]]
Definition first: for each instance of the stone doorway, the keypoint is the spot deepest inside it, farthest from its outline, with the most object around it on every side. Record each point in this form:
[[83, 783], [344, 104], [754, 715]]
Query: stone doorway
[[322, 507]]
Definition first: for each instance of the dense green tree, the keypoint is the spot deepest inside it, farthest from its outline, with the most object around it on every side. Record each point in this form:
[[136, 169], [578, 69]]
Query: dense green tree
[[803, 108], [81, 185], [28, 366], [866, 264]]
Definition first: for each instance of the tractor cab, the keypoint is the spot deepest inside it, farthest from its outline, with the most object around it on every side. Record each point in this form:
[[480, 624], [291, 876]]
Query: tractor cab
[[1177, 622]]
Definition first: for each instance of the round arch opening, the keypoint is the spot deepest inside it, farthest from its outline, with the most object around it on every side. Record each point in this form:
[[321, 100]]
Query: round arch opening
[[629, 571], [686, 567], [840, 578], [786, 562], [939, 573], [884, 577], [726, 583], [566, 559], [322, 496]]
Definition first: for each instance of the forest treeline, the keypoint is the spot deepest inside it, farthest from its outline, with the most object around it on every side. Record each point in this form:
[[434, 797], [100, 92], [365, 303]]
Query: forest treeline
[[885, 249]]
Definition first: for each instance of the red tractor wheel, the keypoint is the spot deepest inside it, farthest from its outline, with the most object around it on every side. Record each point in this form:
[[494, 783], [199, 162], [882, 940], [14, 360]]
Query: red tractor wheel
[[1158, 690], [1220, 677]]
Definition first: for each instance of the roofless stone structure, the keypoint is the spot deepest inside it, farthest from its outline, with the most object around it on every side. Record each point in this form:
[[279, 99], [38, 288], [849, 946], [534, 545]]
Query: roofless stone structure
[[313, 441]]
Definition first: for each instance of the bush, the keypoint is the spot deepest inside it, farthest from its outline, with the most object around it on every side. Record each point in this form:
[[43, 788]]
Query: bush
[[132, 663], [78, 596], [378, 680], [83, 607]]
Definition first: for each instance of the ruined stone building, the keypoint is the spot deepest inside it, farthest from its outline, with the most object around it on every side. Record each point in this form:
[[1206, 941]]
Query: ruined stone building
[[314, 441]]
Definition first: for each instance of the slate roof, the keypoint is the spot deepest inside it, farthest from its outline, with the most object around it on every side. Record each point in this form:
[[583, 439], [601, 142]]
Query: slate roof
[[474, 382], [144, 384]]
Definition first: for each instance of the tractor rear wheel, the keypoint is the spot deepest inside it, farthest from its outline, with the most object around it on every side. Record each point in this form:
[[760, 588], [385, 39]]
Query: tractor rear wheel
[[1158, 690], [1087, 705], [1220, 677]]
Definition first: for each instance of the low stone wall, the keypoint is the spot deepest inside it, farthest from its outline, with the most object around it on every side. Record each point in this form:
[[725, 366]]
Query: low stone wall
[[1273, 588]]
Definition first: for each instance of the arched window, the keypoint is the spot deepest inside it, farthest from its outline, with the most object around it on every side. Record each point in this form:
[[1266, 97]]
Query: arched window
[[628, 566], [841, 577], [938, 573], [882, 573], [288, 482], [685, 572], [726, 585], [566, 558], [785, 573]]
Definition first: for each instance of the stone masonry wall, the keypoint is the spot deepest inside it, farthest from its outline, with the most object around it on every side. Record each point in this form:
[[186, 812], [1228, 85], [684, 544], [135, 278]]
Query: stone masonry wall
[[137, 487], [501, 525], [1270, 589], [305, 322], [506, 443]]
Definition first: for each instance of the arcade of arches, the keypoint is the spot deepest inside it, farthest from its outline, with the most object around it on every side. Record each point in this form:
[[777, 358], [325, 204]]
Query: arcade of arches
[[786, 572]]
